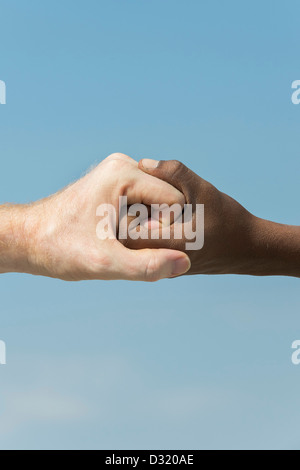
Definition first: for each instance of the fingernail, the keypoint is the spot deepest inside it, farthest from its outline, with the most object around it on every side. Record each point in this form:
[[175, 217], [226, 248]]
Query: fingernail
[[181, 266], [150, 164]]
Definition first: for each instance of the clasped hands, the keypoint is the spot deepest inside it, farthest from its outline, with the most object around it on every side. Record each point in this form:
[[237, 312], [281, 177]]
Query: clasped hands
[[57, 236]]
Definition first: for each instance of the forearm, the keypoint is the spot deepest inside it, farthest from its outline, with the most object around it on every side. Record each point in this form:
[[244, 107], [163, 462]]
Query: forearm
[[274, 250], [16, 238]]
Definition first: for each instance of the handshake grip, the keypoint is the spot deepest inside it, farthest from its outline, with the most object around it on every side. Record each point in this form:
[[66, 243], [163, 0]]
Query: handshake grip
[[193, 229]]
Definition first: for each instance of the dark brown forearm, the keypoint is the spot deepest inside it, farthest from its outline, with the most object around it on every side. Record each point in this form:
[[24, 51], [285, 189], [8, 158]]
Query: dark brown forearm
[[275, 249]]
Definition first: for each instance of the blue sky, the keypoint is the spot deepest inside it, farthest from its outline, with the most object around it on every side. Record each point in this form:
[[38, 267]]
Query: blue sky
[[200, 362]]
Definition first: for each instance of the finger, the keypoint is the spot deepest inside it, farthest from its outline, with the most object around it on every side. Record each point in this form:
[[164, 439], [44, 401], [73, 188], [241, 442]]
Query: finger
[[152, 265], [172, 172], [148, 190]]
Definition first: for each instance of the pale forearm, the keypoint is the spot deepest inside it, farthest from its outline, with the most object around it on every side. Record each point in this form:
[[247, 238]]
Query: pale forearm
[[16, 238]]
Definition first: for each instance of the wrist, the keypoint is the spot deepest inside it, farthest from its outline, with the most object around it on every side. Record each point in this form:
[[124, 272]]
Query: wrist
[[275, 249], [18, 227]]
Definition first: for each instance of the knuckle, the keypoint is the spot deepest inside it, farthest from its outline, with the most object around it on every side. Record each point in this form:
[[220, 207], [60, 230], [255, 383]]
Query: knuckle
[[114, 155], [117, 162], [177, 165], [113, 165], [118, 156], [179, 171]]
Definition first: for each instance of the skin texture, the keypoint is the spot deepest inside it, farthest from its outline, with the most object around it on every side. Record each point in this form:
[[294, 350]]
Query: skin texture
[[56, 237], [236, 242]]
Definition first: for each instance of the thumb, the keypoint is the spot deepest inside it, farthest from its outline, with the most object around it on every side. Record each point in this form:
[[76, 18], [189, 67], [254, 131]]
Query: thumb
[[154, 264]]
